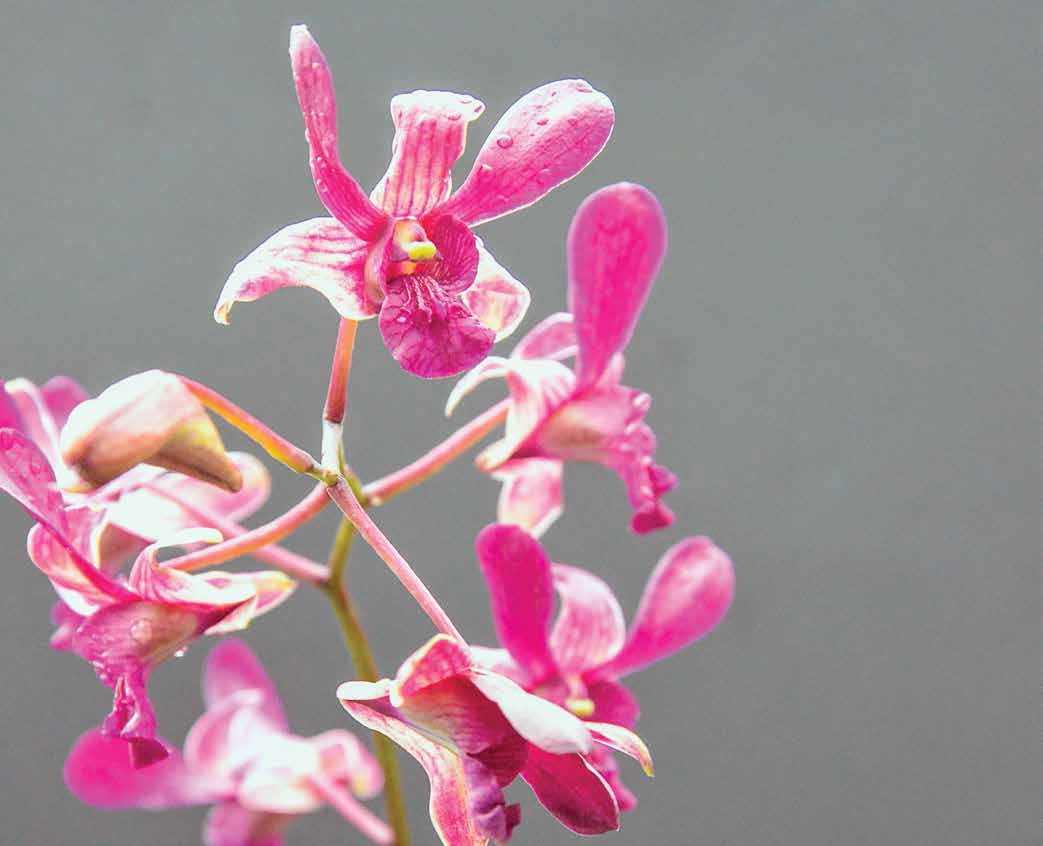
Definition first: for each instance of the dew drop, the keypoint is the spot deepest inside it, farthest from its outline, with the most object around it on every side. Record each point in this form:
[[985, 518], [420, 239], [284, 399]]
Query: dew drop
[[401, 319], [453, 116], [542, 121], [504, 141], [180, 653], [573, 121]]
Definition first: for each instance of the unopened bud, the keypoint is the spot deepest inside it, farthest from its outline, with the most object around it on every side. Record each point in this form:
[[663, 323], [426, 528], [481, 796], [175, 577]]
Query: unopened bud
[[148, 418]]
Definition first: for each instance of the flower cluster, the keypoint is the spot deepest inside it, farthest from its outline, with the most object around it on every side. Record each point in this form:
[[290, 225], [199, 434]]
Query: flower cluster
[[134, 499]]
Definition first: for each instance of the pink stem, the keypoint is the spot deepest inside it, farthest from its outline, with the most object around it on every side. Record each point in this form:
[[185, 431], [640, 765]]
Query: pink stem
[[337, 392], [346, 501], [431, 462], [263, 536], [352, 810], [289, 562]]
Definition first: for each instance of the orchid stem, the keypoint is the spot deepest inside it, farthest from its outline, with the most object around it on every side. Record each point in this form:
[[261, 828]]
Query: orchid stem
[[381, 490], [344, 497], [340, 371], [264, 536], [366, 669], [353, 811], [272, 442]]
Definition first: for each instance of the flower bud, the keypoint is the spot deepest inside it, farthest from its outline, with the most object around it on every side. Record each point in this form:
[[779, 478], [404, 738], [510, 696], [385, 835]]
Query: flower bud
[[149, 418]]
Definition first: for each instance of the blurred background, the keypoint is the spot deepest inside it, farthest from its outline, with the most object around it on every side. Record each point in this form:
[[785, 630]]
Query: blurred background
[[841, 348]]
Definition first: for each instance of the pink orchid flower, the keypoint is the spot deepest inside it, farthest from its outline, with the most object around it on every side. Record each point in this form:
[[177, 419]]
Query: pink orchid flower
[[616, 244], [140, 507], [577, 659], [474, 730], [240, 756], [407, 252], [125, 626]]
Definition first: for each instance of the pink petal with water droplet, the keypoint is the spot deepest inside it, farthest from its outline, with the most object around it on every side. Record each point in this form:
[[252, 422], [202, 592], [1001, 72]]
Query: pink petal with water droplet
[[517, 574], [319, 254], [543, 140], [687, 595], [590, 628], [616, 245], [430, 133], [339, 192]]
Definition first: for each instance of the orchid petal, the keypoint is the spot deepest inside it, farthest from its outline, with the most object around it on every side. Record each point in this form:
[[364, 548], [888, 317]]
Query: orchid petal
[[613, 703], [492, 367], [573, 791], [338, 191], [451, 793], [345, 759], [458, 255], [517, 573], [99, 773], [83, 586], [9, 415], [268, 589], [227, 736], [231, 667], [625, 741], [24, 408], [604, 761], [543, 140], [430, 333], [430, 132], [26, 474], [531, 496], [319, 254], [61, 394], [230, 824], [590, 628], [553, 337], [686, 596], [441, 658], [616, 244], [496, 298], [276, 780], [542, 723]]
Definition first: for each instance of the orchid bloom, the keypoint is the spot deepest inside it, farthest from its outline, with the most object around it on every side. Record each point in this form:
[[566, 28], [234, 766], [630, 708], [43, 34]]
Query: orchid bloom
[[125, 626], [474, 730], [616, 244], [407, 252], [577, 659], [240, 756], [143, 505]]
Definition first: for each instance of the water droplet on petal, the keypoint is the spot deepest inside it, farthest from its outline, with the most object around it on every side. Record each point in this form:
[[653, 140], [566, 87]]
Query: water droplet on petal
[[180, 653], [504, 141], [573, 121], [453, 116], [542, 121], [401, 319]]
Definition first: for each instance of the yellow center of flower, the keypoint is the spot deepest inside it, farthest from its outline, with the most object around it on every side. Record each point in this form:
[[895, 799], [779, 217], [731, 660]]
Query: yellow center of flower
[[421, 251], [580, 706]]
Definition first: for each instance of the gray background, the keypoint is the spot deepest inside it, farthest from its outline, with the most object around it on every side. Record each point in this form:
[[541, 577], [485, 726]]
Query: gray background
[[841, 347]]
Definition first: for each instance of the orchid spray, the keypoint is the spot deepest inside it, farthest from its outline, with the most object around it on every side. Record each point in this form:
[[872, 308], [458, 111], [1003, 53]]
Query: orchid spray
[[111, 481]]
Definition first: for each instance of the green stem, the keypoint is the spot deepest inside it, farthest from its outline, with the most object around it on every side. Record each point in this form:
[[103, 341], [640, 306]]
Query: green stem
[[366, 668]]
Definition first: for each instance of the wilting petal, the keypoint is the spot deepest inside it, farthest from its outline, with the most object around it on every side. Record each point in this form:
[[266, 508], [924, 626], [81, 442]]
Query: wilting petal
[[517, 573], [451, 800], [616, 244], [319, 254], [339, 192], [625, 741], [590, 628], [230, 824], [431, 334], [543, 140], [542, 723], [572, 791], [430, 132], [686, 596], [132, 718], [531, 496], [149, 417], [496, 298], [99, 772], [613, 703], [441, 658], [553, 337], [231, 667]]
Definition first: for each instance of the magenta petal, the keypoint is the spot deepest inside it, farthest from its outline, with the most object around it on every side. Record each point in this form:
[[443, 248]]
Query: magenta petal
[[319, 254], [430, 132], [496, 298], [24, 407], [543, 140], [451, 800], [625, 741], [517, 573], [345, 759], [339, 192], [459, 257], [590, 628], [531, 496], [231, 667], [79, 582], [686, 596], [439, 659], [554, 337], [62, 394], [26, 474], [230, 824], [616, 244], [613, 703], [431, 334], [573, 791], [9, 416], [99, 772]]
